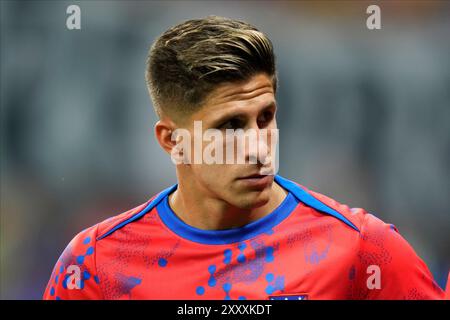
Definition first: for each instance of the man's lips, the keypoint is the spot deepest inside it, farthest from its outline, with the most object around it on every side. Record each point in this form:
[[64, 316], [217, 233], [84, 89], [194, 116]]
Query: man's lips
[[256, 180], [254, 176]]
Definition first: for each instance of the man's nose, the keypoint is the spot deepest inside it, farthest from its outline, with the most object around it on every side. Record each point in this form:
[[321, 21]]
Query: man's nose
[[257, 147]]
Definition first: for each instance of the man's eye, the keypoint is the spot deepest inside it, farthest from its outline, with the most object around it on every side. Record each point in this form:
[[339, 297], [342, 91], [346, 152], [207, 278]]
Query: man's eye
[[265, 118], [231, 124]]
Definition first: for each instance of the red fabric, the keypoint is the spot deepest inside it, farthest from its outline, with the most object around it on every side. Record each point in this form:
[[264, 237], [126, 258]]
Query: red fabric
[[310, 254]]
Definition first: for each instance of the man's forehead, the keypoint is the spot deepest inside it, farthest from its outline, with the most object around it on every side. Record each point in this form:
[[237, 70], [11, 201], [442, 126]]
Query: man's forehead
[[258, 88], [243, 90]]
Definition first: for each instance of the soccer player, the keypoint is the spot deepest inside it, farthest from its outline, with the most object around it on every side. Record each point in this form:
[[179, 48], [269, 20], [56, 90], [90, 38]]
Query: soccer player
[[233, 231]]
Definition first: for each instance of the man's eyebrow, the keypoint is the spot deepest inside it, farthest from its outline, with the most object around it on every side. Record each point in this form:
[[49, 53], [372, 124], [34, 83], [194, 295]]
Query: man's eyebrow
[[272, 104]]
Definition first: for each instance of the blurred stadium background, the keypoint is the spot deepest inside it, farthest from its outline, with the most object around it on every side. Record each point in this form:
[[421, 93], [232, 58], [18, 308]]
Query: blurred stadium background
[[364, 117]]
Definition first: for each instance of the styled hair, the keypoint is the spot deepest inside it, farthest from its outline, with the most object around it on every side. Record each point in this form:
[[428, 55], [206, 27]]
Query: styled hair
[[188, 61]]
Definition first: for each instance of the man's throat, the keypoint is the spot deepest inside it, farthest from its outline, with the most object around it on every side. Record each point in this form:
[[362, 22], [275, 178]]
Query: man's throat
[[213, 214]]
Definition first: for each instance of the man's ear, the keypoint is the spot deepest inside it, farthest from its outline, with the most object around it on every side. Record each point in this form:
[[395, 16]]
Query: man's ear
[[163, 132]]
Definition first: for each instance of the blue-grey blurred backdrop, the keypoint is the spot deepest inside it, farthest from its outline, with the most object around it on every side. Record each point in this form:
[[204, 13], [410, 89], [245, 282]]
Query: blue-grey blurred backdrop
[[364, 117]]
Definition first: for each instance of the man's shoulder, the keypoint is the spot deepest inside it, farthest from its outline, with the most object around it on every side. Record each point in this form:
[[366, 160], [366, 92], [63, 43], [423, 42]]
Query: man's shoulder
[[353, 217], [365, 221], [358, 216], [98, 231], [106, 227], [109, 225]]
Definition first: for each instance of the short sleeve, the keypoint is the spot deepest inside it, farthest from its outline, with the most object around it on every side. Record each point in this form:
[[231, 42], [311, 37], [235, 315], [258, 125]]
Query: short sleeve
[[392, 269], [74, 276]]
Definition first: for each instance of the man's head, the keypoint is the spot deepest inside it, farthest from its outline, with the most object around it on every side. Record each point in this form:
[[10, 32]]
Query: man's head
[[189, 60], [220, 72]]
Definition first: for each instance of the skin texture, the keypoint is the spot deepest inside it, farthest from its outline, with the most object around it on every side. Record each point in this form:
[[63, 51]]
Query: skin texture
[[214, 196]]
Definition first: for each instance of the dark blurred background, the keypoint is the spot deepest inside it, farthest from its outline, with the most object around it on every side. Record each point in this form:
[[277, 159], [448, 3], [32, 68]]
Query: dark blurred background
[[364, 117]]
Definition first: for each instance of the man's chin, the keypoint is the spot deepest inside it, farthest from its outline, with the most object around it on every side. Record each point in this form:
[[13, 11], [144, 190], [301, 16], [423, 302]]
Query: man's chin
[[252, 199]]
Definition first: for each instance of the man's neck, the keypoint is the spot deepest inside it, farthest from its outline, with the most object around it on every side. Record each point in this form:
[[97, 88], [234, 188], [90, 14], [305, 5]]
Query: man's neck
[[209, 213]]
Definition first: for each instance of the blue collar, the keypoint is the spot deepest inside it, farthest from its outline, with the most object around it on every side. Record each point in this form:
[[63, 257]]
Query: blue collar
[[216, 237], [265, 224]]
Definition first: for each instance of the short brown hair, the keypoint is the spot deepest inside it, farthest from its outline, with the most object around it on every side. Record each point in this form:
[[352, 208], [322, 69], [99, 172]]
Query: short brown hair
[[188, 61]]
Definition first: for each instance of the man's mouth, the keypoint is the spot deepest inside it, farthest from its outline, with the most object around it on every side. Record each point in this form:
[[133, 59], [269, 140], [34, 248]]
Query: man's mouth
[[257, 181]]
